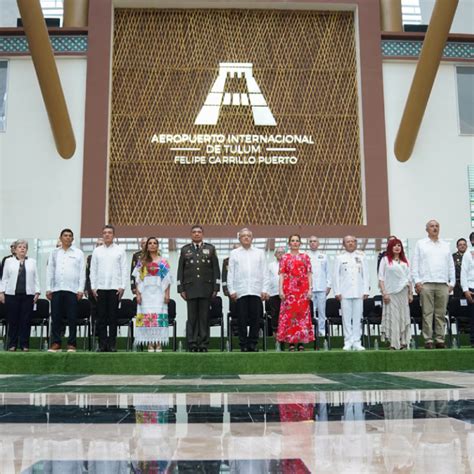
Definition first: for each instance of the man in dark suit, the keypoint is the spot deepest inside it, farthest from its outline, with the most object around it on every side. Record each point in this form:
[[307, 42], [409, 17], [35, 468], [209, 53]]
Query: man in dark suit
[[88, 290], [135, 257], [461, 246], [198, 282], [12, 254]]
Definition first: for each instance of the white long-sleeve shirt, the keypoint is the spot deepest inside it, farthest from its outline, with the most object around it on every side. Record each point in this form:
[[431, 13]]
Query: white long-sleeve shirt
[[109, 268], [66, 270], [467, 270], [351, 275], [274, 278], [321, 273], [10, 276], [433, 262], [247, 272]]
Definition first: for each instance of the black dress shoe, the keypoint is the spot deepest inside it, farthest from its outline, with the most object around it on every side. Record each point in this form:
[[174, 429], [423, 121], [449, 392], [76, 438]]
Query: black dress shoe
[[203, 349]]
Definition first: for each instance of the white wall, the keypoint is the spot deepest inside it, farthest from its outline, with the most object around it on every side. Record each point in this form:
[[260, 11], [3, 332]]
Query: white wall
[[463, 19], [434, 182], [8, 13], [40, 192]]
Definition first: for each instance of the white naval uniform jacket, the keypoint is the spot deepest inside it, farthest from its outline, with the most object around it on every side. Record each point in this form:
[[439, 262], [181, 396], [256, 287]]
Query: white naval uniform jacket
[[351, 275]]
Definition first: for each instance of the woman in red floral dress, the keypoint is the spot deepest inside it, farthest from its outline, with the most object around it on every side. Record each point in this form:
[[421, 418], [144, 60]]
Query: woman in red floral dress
[[294, 325]]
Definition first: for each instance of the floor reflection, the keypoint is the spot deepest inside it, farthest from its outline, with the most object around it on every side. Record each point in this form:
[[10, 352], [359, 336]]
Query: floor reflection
[[160, 409], [251, 466], [345, 432]]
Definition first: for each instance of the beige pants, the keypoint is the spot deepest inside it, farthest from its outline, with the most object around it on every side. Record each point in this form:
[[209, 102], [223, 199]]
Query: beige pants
[[434, 299]]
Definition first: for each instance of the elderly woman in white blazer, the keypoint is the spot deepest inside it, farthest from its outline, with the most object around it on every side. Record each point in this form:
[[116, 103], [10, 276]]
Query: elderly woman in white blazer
[[19, 290]]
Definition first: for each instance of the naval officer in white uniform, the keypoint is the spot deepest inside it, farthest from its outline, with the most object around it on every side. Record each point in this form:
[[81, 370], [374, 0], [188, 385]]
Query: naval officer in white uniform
[[321, 282], [351, 287]]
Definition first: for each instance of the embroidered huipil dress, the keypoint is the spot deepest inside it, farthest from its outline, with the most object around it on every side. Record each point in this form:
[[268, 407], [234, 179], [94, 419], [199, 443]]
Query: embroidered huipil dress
[[151, 322]]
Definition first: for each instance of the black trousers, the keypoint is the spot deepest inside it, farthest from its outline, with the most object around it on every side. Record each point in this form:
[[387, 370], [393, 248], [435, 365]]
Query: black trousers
[[19, 310], [249, 309], [471, 319], [197, 325], [273, 309], [107, 314], [457, 291], [64, 306]]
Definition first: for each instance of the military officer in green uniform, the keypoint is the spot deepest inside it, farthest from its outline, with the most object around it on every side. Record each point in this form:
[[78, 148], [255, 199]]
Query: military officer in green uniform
[[461, 245], [198, 282]]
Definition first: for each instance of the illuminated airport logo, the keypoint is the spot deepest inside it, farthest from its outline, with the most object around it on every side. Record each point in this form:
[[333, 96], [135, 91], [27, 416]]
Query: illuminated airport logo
[[209, 114]]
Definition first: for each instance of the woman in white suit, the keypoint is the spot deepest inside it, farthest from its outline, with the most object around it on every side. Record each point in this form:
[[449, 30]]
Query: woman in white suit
[[19, 290]]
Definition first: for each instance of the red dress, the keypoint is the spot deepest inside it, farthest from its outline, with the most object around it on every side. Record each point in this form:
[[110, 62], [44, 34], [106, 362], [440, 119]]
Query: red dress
[[294, 324]]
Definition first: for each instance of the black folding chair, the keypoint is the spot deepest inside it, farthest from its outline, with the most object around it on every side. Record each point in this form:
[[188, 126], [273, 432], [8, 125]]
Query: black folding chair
[[232, 324], [263, 325], [458, 312], [41, 319], [127, 311], [372, 316], [3, 323], [333, 317], [315, 323], [172, 321], [216, 317], [416, 317], [84, 320], [272, 309]]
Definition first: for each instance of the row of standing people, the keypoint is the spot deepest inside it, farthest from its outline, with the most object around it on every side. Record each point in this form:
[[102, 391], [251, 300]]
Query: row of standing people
[[248, 283], [103, 279], [296, 278]]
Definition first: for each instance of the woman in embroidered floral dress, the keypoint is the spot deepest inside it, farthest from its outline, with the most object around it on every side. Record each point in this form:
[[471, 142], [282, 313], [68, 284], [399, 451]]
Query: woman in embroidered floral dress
[[294, 325], [153, 280]]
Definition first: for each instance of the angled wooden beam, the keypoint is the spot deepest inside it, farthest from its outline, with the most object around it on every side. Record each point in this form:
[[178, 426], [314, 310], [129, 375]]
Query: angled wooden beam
[[425, 74], [48, 77]]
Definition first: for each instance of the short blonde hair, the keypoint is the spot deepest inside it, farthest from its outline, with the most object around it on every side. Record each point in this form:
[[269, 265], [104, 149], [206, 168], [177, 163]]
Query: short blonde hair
[[20, 242]]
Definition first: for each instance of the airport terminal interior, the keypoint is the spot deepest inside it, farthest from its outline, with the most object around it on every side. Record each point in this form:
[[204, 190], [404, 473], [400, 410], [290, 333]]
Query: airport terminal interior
[[331, 118]]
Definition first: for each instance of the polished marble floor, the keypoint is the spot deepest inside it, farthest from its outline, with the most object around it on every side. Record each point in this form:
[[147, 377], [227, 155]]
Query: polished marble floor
[[421, 422]]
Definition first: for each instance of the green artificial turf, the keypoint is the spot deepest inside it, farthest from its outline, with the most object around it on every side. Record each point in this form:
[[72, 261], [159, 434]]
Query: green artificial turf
[[213, 363]]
